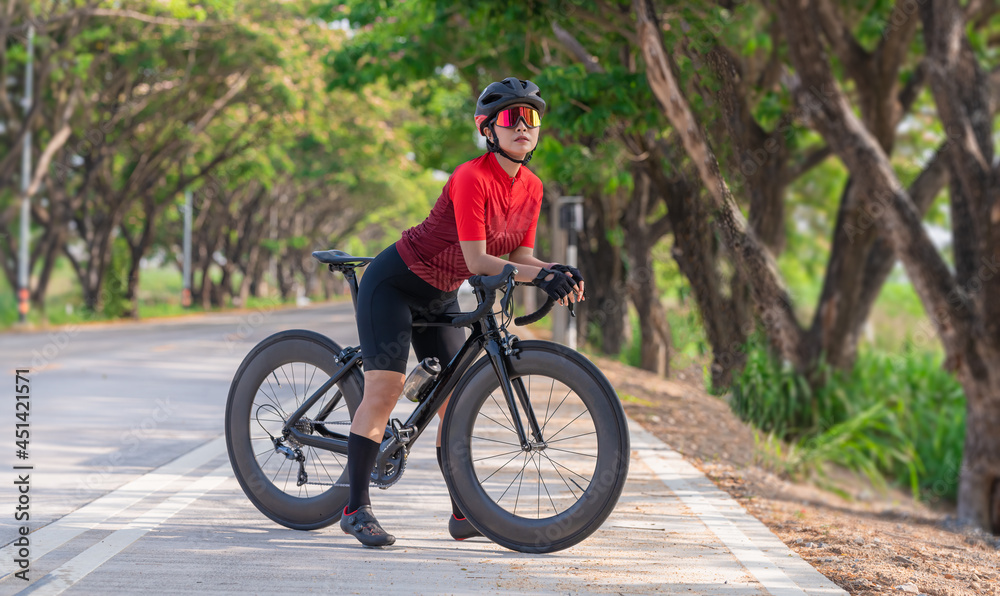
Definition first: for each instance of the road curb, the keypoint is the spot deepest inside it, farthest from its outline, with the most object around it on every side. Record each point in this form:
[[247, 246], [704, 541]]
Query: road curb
[[775, 566]]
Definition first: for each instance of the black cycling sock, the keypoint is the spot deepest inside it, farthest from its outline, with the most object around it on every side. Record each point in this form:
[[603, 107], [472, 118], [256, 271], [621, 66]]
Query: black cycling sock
[[361, 454], [454, 506]]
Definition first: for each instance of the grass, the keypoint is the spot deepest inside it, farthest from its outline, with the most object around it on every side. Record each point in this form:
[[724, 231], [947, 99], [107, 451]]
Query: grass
[[894, 418], [631, 399], [897, 417]]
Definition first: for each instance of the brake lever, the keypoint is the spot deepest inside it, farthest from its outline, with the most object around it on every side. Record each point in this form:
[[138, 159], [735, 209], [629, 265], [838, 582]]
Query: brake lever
[[572, 311], [507, 295]]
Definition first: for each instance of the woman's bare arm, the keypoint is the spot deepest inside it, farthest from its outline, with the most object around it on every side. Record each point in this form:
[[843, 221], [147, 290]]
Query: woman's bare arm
[[481, 263]]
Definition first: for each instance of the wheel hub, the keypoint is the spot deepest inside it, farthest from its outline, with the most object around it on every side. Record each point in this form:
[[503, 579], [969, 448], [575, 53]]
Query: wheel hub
[[533, 446]]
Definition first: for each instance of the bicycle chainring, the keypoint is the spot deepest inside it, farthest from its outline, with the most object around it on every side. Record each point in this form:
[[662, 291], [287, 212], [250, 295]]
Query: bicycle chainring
[[391, 471]]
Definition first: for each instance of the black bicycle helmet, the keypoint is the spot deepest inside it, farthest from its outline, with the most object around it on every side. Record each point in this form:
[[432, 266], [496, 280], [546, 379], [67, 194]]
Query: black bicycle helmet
[[500, 95]]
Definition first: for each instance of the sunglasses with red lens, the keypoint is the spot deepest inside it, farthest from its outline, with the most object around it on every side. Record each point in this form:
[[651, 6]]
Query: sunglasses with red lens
[[508, 118]]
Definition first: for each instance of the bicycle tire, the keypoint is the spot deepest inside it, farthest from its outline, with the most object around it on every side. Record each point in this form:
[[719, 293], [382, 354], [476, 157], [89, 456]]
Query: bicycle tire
[[574, 516], [259, 374]]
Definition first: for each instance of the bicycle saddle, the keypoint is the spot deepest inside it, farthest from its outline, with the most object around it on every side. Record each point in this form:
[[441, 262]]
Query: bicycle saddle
[[339, 257]]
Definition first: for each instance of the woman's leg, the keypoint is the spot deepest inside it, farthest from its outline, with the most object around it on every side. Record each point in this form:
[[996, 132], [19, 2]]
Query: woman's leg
[[382, 389], [459, 527], [384, 323], [445, 343]]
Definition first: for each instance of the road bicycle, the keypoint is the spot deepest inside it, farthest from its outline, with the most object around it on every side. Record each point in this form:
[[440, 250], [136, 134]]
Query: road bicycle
[[535, 444]]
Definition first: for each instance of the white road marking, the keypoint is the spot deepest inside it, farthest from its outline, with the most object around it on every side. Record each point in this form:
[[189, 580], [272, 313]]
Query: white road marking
[[60, 579], [61, 531], [679, 475]]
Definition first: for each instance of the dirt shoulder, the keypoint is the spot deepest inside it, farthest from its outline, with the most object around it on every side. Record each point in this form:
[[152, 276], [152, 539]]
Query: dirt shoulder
[[872, 544]]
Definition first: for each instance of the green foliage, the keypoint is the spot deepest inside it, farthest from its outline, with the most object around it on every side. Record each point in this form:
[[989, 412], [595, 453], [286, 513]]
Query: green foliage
[[872, 21], [8, 304], [631, 399], [587, 104], [773, 397], [896, 417], [114, 303]]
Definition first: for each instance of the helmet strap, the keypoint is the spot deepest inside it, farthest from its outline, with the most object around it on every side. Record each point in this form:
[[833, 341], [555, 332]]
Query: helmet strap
[[494, 147]]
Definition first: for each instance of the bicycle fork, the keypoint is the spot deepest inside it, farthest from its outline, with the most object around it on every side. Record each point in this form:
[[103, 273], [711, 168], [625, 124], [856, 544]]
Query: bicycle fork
[[499, 360]]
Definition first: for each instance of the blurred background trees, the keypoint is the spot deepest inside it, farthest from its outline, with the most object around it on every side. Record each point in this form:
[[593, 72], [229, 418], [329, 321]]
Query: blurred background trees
[[797, 202]]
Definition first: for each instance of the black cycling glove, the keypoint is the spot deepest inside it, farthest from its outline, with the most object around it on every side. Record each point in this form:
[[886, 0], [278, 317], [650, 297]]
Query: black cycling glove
[[564, 269], [558, 287]]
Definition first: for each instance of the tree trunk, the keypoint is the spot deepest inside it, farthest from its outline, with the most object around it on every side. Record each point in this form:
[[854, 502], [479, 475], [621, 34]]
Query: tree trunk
[[224, 289], [284, 278], [853, 237], [257, 285], [204, 286], [850, 287], [746, 250], [979, 483], [98, 258], [758, 158], [962, 94], [137, 249], [313, 286], [132, 291], [881, 258], [654, 330], [249, 273], [727, 320], [56, 239], [601, 265]]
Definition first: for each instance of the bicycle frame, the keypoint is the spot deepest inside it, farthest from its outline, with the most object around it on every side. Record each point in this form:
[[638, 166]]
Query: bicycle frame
[[487, 335]]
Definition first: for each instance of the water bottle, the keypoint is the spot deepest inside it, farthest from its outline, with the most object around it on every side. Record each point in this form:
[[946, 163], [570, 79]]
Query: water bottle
[[420, 378]]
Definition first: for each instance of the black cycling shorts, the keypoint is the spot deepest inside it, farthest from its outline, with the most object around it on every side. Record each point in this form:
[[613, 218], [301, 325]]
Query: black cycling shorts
[[390, 299]]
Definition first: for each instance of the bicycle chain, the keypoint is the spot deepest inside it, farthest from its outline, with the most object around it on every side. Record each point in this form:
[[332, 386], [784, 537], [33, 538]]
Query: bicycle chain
[[395, 479], [326, 422]]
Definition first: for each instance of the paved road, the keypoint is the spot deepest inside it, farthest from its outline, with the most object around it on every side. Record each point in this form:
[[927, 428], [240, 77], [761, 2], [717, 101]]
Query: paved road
[[132, 492]]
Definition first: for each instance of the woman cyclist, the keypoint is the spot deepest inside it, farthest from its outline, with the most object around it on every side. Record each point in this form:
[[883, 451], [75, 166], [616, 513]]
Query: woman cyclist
[[489, 207]]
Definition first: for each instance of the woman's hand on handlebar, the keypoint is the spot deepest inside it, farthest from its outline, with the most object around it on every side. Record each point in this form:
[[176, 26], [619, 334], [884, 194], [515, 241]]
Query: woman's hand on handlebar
[[560, 286], [577, 280]]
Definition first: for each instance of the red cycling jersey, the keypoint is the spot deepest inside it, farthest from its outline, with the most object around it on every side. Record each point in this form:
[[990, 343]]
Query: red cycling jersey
[[479, 202]]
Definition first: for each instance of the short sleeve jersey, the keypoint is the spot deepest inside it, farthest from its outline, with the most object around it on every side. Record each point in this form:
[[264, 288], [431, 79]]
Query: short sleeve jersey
[[479, 202]]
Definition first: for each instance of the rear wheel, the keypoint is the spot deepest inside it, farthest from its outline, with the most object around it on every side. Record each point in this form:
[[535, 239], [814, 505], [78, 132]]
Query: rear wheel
[[561, 490], [271, 383]]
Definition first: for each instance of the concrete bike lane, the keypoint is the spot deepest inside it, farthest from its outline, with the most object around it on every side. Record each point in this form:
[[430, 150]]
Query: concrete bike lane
[[185, 527]]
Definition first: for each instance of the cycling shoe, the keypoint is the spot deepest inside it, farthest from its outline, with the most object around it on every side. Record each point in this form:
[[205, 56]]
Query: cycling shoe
[[461, 529], [362, 525]]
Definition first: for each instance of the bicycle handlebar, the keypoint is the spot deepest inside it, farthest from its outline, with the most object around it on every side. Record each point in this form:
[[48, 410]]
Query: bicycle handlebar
[[537, 315], [490, 284]]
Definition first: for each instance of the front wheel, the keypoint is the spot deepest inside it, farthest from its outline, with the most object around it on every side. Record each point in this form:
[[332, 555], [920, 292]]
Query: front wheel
[[561, 490], [271, 383]]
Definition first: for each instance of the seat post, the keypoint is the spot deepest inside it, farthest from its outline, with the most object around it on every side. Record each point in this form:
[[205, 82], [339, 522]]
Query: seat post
[[352, 281]]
